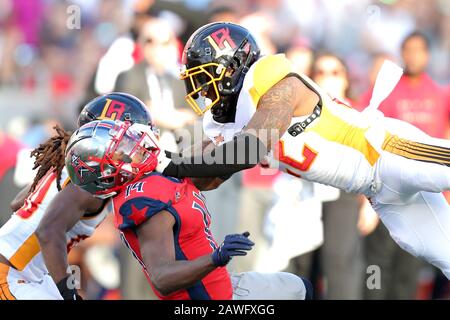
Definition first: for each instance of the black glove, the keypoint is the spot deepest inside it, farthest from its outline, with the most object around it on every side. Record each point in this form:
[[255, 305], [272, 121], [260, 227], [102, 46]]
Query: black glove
[[66, 292], [233, 245]]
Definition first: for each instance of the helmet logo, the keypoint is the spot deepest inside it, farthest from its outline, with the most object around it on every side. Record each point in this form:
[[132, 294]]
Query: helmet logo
[[112, 110], [80, 167], [221, 41]]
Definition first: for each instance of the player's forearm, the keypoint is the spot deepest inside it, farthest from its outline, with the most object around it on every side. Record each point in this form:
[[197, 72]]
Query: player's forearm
[[18, 201], [244, 152], [206, 184], [64, 211], [53, 245], [199, 147], [179, 275]]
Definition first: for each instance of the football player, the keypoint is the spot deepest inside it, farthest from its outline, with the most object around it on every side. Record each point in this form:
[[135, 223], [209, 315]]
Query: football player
[[71, 206], [164, 221], [399, 169], [51, 215], [25, 240]]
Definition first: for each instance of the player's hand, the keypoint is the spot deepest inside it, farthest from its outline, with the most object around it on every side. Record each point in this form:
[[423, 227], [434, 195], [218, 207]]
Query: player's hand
[[66, 292], [233, 245], [368, 219]]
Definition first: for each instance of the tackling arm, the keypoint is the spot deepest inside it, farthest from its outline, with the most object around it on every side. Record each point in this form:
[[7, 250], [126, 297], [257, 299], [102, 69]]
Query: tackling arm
[[243, 152], [273, 116], [169, 168], [206, 184]]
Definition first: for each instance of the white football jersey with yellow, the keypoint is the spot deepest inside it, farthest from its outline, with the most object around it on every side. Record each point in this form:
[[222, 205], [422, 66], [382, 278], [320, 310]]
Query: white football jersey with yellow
[[334, 149], [18, 241], [399, 168]]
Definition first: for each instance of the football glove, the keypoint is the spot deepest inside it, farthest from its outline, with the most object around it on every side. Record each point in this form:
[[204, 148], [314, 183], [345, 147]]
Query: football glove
[[66, 292], [233, 245]]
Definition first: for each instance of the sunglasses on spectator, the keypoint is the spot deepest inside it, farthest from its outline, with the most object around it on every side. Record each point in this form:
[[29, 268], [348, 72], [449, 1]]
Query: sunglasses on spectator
[[152, 41], [334, 72]]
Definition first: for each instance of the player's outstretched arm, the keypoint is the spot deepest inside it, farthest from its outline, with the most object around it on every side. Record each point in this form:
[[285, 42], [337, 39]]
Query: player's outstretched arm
[[273, 116], [65, 210], [169, 275], [243, 152], [206, 184]]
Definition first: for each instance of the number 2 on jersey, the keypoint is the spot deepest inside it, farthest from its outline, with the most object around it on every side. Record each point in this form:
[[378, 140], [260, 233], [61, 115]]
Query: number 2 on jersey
[[308, 153]]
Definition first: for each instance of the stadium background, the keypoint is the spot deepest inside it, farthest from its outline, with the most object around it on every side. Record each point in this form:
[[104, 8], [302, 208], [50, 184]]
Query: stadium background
[[56, 55]]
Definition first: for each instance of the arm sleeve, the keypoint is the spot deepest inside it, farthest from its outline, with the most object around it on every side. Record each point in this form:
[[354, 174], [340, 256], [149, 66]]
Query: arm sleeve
[[243, 152], [138, 210]]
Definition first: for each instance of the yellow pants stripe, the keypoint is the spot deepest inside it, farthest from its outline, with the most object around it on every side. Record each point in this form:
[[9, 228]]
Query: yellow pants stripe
[[426, 148], [417, 151]]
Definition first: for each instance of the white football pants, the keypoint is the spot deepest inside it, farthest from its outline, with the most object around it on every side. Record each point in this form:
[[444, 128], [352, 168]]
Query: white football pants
[[410, 176]]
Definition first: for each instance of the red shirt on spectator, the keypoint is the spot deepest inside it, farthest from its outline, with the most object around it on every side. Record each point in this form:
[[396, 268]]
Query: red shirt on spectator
[[256, 178], [420, 102], [8, 151]]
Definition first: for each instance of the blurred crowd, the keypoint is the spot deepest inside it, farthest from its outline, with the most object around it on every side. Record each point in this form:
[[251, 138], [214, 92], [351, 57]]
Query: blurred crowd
[[55, 55]]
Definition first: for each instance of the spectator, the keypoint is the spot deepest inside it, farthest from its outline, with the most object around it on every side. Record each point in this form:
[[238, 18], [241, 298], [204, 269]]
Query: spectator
[[341, 254], [416, 99], [155, 80], [8, 189], [341, 251], [261, 24], [330, 73], [122, 55], [223, 13], [301, 56]]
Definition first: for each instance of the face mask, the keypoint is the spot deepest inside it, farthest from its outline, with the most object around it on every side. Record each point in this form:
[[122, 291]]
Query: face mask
[[335, 86]]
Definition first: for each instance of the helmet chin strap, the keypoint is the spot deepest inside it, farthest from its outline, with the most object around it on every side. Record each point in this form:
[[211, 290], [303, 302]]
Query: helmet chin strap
[[225, 110], [105, 196]]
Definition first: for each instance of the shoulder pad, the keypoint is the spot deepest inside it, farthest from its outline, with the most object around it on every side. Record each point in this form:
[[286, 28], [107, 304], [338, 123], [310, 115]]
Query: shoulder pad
[[266, 72]]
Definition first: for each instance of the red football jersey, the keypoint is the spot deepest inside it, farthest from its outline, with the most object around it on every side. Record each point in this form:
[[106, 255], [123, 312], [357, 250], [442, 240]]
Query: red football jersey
[[192, 235]]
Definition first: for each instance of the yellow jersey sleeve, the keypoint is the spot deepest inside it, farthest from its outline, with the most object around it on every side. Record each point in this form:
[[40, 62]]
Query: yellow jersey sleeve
[[267, 72]]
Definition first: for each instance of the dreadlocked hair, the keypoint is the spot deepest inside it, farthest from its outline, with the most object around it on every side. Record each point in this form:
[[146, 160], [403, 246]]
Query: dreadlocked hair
[[50, 156]]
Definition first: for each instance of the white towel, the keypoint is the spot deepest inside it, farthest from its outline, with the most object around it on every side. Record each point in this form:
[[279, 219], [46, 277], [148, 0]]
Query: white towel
[[387, 78]]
